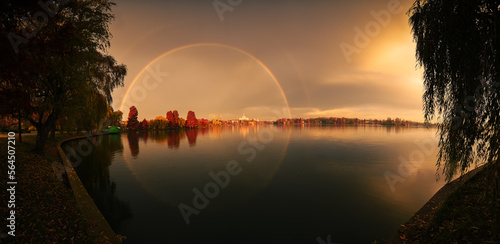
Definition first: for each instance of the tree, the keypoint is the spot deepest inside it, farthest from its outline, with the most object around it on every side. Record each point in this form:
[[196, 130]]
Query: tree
[[175, 121], [159, 123], [92, 111], [191, 121], [55, 58], [181, 122], [203, 123], [458, 45], [132, 122], [144, 124], [115, 117], [170, 118]]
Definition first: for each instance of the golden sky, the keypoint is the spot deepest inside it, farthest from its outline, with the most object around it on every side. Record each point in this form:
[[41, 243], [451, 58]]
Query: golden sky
[[317, 58]]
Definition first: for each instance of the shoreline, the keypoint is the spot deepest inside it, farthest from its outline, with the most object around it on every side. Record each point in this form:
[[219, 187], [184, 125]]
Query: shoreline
[[49, 211], [85, 203], [421, 220]]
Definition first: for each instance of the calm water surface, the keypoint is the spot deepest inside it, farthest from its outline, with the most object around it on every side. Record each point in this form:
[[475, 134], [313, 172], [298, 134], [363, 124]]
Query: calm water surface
[[295, 184]]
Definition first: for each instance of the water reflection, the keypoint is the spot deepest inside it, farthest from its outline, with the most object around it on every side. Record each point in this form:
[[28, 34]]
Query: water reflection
[[309, 181], [191, 136], [215, 132], [133, 143], [145, 136], [170, 177], [172, 138], [95, 176], [204, 131]]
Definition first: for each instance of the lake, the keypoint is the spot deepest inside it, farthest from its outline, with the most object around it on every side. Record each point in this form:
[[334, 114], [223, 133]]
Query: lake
[[261, 184]]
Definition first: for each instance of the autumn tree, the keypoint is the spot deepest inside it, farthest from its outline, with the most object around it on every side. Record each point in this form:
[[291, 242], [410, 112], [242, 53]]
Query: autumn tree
[[204, 122], [181, 122], [159, 123], [144, 124], [170, 118], [175, 121], [191, 120], [51, 61], [132, 122]]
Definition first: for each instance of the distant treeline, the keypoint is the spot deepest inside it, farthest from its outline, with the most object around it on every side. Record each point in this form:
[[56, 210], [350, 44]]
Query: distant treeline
[[350, 121]]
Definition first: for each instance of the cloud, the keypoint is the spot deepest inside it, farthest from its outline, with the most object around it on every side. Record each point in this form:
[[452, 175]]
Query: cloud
[[297, 40]]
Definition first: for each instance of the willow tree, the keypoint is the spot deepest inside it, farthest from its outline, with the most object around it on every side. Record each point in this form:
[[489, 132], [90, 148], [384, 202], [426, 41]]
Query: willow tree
[[55, 52], [457, 45]]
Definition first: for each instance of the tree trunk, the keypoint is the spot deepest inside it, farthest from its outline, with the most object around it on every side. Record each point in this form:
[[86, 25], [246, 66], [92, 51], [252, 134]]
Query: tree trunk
[[43, 133], [41, 139]]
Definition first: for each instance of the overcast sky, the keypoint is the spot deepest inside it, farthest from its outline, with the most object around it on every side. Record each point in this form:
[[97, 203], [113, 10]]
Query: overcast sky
[[332, 58]]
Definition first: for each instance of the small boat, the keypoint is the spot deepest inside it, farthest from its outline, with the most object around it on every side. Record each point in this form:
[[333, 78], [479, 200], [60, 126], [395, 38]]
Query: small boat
[[113, 130]]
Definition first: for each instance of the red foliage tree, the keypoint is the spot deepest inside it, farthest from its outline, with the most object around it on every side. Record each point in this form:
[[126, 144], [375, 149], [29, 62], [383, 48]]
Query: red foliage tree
[[175, 122], [133, 123], [191, 120], [170, 118], [144, 124], [203, 122]]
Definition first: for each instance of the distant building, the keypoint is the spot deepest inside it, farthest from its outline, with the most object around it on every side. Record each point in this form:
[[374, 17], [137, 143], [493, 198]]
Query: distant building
[[244, 118]]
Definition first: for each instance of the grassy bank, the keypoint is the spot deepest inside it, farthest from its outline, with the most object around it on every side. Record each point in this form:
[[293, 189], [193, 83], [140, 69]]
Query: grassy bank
[[46, 210], [463, 211]]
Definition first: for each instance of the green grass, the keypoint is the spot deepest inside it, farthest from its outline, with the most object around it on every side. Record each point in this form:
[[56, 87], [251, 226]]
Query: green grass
[[46, 210]]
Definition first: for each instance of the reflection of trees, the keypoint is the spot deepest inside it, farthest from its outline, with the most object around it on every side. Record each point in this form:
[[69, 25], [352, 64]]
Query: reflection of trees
[[160, 137], [94, 174], [174, 138], [204, 131], [191, 136], [145, 136], [133, 143]]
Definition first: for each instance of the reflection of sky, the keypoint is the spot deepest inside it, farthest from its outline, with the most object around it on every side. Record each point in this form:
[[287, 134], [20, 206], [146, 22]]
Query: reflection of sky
[[170, 175], [331, 181], [298, 41]]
